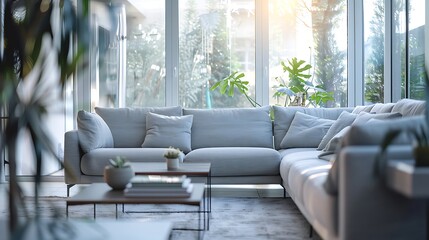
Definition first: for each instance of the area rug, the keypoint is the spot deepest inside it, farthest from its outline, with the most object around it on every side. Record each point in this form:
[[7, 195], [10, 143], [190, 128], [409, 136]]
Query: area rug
[[231, 217]]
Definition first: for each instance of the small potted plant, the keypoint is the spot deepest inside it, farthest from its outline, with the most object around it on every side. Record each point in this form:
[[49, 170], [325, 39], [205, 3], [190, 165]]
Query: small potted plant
[[172, 157], [118, 174]]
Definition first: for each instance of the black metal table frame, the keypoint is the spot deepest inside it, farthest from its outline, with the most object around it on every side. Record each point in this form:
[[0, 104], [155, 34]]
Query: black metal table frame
[[204, 212]]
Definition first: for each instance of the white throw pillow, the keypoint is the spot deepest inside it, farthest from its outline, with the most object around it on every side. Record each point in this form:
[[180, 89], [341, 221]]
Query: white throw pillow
[[93, 132], [305, 131], [345, 119], [168, 131]]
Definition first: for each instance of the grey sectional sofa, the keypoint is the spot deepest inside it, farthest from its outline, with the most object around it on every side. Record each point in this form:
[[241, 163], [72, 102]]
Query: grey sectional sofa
[[237, 142], [324, 158]]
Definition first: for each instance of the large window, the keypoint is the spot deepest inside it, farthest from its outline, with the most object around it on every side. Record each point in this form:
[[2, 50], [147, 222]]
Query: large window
[[416, 49], [313, 31], [367, 52], [145, 58], [216, 38], [374, 51]]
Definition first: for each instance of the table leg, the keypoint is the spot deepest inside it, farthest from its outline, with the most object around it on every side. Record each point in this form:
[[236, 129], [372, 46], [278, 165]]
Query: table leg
[[95, 210], [210, 192]]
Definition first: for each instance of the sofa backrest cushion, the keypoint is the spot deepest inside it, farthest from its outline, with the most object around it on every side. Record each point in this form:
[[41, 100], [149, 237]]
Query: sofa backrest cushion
[[128, 125], [364, 117], [365, 108], [374, 131], [93, 132], [382, 108], [231, 127], [168, 131], [409, 107], [283, 117]]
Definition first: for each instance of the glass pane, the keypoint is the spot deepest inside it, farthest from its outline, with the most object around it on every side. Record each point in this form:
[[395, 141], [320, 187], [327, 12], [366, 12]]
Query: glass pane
[[374, 51], [216, 38], [104, 58], [309, 31], [416, 49], [145, 60], [398, 45]]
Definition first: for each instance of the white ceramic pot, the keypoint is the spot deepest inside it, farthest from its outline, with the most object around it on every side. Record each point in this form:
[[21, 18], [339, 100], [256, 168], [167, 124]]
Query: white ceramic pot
[[172, 163], [118, 178]]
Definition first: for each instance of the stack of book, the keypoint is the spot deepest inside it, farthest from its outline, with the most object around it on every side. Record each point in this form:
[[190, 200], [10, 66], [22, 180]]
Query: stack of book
[[159, 186]]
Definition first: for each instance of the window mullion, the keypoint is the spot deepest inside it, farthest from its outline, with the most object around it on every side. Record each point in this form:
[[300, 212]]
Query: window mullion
[[389, 86], [172, 52], [262, 52]]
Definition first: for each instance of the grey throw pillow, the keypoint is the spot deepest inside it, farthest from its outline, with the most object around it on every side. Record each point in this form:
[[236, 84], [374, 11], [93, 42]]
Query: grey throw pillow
[[168, 131], [93, 132], [334, 143], [305, 131], [364, 117], [344, 120]]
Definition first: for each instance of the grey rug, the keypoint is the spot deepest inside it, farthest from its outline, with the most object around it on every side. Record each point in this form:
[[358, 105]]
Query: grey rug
[[231, 218]]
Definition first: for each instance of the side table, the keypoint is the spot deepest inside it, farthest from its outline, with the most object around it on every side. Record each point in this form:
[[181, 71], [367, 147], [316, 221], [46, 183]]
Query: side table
[[410, 181]]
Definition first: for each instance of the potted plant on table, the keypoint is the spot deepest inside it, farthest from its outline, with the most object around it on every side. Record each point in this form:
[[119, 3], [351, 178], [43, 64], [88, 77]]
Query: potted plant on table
[[118, 174], [172, 156]]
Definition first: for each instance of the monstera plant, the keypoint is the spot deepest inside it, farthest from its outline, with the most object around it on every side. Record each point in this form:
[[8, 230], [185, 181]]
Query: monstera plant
[[298, 89], [43, 42]]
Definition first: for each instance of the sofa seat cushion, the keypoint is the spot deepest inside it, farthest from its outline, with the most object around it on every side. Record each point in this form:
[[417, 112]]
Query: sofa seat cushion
[[238, 161], [93, 163], [321, 206], [302, 171], [292, 155]]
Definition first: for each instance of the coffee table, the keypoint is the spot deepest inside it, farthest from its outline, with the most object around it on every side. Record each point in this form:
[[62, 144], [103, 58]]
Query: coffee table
[[188, 169], [101, 193]]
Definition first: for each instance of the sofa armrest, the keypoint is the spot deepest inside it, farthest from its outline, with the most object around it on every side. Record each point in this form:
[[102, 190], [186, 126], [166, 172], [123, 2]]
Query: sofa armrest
[[368, 209], [72, 156]]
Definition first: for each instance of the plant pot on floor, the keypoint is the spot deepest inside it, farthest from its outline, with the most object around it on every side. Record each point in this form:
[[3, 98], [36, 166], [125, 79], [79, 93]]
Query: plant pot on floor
[[118, 178]]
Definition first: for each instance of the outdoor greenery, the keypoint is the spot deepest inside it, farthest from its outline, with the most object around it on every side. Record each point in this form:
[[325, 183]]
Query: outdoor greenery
[[205, 57], [374, 75], [145, 67], [329, 61]]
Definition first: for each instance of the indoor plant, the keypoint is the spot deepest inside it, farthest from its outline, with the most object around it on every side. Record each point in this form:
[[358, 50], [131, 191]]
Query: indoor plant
[[172, 158], [42, 44], [234, 80], [118, 174], [299, 90]]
